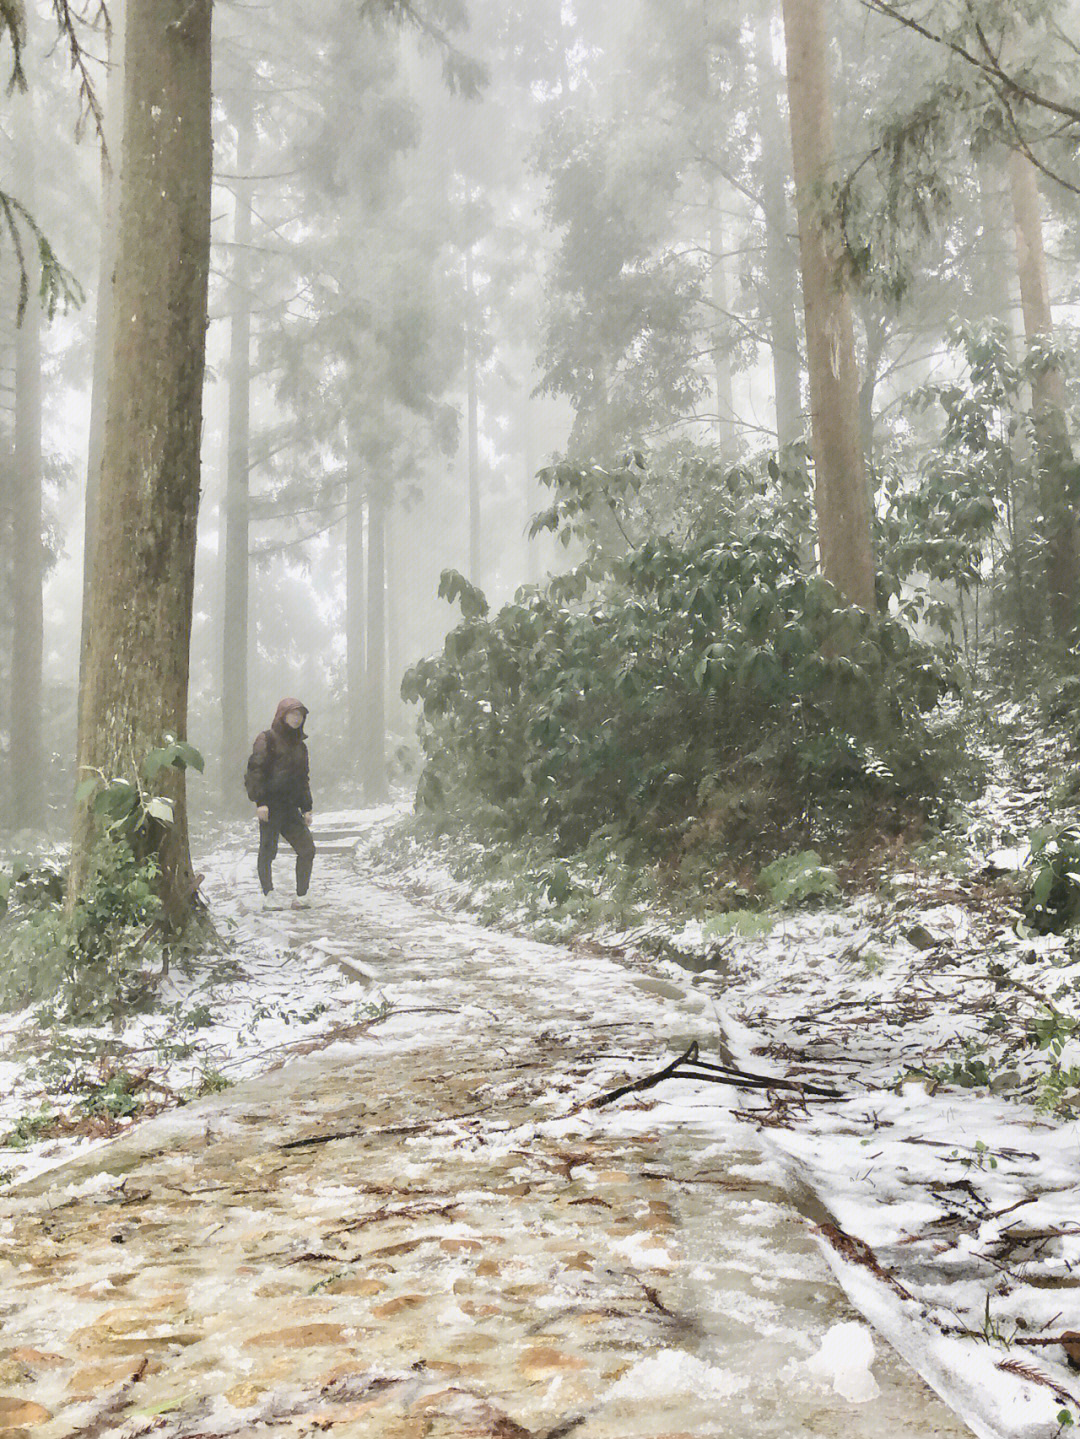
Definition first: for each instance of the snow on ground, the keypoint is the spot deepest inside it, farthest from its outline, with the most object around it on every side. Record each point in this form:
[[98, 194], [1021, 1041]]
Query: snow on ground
[[950, 1216], [953, 1213], [216, 1022]]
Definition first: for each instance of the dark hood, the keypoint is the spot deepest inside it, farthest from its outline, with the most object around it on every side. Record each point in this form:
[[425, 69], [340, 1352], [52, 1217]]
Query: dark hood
[[280, 727]]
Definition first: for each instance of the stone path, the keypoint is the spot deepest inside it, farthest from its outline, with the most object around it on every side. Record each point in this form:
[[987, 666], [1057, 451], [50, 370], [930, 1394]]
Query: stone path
[[463, 1261]]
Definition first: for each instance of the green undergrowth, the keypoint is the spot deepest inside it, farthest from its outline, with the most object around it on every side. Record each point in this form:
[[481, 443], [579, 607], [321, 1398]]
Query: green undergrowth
[[697, 694], [609, 886], [99, 959]]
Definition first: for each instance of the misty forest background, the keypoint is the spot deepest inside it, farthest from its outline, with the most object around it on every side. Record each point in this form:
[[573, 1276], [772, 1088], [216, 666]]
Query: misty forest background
[[517, 318]]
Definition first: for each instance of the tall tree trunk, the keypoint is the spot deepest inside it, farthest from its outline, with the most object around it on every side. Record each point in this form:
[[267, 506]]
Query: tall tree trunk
[[1053, 448], [473, 421], [103, 338], [781, 287], [136, 673], [27, 755], [235, 641], [725, 395], [994, 279], [876, 331], [355, 597], [841, 500], [392, 567], [532, 506], [375, 786]]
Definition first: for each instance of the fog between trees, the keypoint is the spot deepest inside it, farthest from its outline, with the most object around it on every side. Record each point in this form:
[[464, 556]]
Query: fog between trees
[[449, 248]]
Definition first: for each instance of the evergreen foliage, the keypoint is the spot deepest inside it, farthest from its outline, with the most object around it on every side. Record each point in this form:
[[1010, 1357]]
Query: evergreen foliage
[[700, 683], [964, 526], [96, 961]]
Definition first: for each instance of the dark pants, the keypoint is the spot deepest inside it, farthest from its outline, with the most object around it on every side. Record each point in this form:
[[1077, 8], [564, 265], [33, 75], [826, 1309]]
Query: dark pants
[[292, 827]]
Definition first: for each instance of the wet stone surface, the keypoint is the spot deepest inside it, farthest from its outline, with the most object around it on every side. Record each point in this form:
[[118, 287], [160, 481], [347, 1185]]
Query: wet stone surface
[[469, 1258]]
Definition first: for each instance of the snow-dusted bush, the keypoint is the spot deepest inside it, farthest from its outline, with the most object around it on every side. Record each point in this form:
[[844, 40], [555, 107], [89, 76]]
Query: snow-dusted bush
[[707, 687]]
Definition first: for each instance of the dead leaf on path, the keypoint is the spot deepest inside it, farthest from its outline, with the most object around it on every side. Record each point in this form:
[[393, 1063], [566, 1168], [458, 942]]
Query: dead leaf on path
[[18, 1413]]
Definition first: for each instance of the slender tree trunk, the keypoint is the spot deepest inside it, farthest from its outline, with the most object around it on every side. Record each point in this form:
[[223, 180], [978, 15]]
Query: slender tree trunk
[[355, 599], [110, 165], [375, 786], [532, 505], [235, 627], [392, 556], [1053, 447], [877, 335], [136, 674], [994, 279], [27, 753], [842, 504], [725, 394], [781, 276], [473, 421]]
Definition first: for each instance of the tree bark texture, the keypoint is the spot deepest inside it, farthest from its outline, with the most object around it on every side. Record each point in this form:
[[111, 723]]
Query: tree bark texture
[[841, 499], [374, 749], [27, 752], [110, 164], [234, 673], [136, 675], [1053, 447]]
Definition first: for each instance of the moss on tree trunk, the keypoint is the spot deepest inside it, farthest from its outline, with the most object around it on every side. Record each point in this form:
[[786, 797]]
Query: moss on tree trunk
[[135, 679]]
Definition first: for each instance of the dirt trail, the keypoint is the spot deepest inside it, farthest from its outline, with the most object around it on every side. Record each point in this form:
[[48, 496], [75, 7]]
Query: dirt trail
[[464, 1261]]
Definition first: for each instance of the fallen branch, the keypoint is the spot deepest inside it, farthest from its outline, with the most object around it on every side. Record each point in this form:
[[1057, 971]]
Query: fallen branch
[[1036, 1376], [708, 1072], [311, 1139], [857, 1251]]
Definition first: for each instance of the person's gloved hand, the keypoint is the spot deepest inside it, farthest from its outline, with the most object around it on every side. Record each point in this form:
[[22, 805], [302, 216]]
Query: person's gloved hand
[[262, 814], [307, 819]]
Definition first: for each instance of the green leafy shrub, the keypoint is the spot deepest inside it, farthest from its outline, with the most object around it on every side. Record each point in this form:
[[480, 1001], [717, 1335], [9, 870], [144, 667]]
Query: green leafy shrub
[[101, 959], [795, 878], [704, 688], [1052, 902], [963, 537], [28, 1129], [115, 1098]]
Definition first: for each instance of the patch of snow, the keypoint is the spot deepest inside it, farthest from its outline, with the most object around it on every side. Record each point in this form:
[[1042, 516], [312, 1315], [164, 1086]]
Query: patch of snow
[[673, 1374], [844, 1361]]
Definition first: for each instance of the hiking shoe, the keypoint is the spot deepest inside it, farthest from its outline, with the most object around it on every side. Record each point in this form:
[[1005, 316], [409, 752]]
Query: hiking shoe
[[301, 902], [272, 901]]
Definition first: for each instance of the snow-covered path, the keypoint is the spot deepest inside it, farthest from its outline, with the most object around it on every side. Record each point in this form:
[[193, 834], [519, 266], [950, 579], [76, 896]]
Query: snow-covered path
[[473, 1256]]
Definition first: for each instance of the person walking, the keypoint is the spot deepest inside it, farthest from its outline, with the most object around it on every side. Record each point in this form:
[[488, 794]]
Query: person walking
[[278, 782]]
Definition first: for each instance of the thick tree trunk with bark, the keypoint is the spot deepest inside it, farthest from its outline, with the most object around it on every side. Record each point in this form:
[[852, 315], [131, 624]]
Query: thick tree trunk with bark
[[110, 165], [473, 438], [1053, 447], [136, 674], [374, 747], [27, 755], [841, 499], [234, 672]]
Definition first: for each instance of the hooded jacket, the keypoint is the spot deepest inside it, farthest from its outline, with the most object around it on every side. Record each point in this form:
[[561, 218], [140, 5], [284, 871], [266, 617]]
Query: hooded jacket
[[277, 773]]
